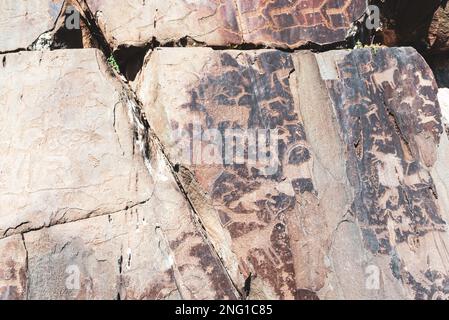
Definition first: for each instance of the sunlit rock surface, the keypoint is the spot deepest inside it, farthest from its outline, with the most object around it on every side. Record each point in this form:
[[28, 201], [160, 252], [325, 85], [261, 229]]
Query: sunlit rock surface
[[222, 169], [279, 23], [352, 189], [75, 185]]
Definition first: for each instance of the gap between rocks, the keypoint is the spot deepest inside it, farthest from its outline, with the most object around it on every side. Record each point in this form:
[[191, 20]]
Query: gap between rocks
[[27, 285], [58, 37], [150, 145], [130, 60]]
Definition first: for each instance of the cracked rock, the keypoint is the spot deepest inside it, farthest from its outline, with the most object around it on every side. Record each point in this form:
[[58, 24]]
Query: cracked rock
[[100, 221], [357, 187], [282, 24], [13, 269], [199, 172], [67, 150], [23, 22]]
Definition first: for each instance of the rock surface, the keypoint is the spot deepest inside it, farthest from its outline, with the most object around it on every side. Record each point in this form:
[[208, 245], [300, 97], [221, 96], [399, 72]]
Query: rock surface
[[210, 173], [73, 181], [316, 221], [279, 23], [440, 68], [13, 268], [22, 22], [443, 98]]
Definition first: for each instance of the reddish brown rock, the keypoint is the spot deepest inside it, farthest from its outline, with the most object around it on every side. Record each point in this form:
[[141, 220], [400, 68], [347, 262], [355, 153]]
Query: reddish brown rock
[[255, 207], [259, 174], [280, 23], [439, 30], [136, 23], [291, 24], [354, 205], [386, 104]]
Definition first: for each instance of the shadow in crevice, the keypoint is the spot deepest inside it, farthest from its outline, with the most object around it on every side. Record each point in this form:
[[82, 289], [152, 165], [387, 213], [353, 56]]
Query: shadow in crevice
[[69, 30], [130, 59], [68, 39], [407, 22], [440, 67]]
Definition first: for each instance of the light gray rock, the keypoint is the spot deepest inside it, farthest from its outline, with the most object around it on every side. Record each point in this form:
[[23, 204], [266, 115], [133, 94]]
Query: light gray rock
[[23, 22], [90, 203]]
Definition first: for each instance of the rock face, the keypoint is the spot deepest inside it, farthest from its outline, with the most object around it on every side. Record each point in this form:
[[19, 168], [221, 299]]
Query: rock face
[[13, 271], [439, 30], [279, 23], [360, 191], [212, 173], [75, 185], [22, 22]]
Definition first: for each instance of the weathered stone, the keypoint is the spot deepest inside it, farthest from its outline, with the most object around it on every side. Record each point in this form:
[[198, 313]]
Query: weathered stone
[[134, 254], [290, 24], [22, 22], [136, 23], [259, 174], [351, 196], [43, 25], [13, 268], [243, 211], [65, 149], [386, 104], [75, 183], [439, 30], [280, 23]]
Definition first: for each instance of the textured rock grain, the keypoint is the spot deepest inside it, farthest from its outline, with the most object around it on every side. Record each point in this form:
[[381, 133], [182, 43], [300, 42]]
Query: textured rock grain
[[284, 24], [222, 174], [22, 22], [74, 182], [356, 197]]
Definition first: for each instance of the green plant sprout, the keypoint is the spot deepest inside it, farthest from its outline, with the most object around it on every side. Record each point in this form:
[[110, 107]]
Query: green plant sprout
[[113, 63], [374, 47]]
